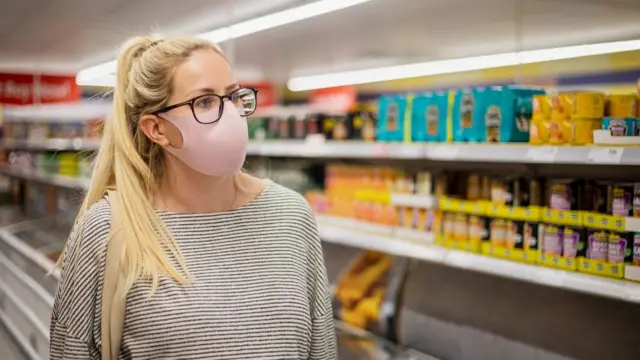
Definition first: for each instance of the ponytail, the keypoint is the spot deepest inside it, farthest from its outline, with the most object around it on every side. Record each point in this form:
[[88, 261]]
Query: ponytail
[[143, 77]]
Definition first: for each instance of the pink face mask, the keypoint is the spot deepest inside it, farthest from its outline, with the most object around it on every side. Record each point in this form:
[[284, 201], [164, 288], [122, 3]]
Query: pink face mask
[[215, 149]]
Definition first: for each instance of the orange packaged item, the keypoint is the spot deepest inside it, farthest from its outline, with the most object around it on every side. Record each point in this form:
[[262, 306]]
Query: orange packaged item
[[498, 232], [409, 218], [448, 226], [460, 231]]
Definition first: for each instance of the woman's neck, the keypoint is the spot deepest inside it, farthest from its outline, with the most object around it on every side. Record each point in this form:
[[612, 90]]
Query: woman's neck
[[183, 189]]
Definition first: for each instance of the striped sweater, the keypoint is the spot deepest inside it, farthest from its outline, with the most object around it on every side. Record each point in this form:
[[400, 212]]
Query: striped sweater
[[259, 288]]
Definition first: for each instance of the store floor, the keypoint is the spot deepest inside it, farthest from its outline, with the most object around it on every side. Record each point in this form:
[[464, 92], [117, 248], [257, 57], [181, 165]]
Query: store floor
[[8, 348]]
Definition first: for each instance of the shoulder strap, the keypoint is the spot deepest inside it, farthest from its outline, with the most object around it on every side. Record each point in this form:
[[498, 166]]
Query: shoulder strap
[[113, 307]]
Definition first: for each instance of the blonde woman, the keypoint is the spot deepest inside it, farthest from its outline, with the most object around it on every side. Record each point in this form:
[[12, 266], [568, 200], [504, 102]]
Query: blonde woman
[[217, 264]]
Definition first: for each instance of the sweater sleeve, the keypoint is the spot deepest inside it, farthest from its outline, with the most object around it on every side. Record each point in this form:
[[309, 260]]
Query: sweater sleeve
[[75, 321], [323, 334]]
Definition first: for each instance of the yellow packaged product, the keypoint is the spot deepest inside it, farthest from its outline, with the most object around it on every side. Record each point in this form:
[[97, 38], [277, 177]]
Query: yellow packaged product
[[588, 105], [460, 231], [560, 131], [539, 131], [622, 106], [561, 106], [498, 232], [409, 218], [541, 106], [448, 226], [582, 132]]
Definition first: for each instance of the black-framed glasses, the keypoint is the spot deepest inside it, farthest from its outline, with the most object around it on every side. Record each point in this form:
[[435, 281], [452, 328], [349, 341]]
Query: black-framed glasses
[[244, 99]]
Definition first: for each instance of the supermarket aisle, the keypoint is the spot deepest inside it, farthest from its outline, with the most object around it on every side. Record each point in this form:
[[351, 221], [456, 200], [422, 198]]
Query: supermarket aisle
[[8, 348]]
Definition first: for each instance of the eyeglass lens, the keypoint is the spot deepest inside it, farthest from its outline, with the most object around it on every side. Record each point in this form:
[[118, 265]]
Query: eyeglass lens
[[243, 99]]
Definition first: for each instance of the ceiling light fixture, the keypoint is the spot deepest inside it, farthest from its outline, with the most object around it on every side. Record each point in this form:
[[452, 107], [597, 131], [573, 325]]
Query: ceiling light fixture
[[104, 74], [439, 67]]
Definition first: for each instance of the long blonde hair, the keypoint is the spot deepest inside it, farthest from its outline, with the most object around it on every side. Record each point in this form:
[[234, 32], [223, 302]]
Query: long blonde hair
[[132, 164]]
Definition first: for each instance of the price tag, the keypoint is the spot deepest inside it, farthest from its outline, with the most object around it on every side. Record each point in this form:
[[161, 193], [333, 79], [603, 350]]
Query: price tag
[[443, 152], [380, 150], [542, 153], [605, 155]]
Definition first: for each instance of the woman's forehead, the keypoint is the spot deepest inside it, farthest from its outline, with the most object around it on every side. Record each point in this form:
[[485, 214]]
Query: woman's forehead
[[204, 69]]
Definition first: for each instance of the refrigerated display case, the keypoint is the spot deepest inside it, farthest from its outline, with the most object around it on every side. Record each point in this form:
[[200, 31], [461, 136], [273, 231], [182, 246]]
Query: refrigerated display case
[[27, 283]]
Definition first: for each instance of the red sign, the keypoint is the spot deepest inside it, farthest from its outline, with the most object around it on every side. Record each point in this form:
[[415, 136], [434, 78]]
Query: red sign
[[22, 89], [334, 99], [266, 93]]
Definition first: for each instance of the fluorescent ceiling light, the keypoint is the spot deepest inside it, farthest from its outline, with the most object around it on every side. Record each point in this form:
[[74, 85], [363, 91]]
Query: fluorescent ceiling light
[[439, 67], [103, 74]]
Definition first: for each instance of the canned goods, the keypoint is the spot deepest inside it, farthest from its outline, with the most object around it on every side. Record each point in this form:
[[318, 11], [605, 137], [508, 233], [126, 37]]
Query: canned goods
[[624, 106], [621, 126], [588, 105]]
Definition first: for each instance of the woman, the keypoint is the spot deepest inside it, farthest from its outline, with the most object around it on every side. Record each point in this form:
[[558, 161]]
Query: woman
[[217, 264]]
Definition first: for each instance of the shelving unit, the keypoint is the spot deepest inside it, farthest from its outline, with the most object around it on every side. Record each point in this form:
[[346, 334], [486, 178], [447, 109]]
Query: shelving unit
[[390, 240], [484, 153], [420, 245]]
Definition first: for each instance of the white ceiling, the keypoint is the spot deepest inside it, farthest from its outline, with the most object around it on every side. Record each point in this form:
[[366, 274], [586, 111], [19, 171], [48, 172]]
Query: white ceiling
[[66, 35]]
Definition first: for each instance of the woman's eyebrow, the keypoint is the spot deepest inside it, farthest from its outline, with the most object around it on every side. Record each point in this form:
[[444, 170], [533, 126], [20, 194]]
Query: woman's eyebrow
[[231, 87]]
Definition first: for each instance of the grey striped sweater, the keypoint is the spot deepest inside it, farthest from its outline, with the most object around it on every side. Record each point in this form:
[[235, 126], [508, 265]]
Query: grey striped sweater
[[259, 288]]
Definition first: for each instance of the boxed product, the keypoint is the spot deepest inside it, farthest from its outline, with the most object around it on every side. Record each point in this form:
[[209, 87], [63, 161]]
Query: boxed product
[[495, 114], [392, 116], [429, 117], [539, 127], [468, 115], [621, 126], [587, 105], [622, 106]]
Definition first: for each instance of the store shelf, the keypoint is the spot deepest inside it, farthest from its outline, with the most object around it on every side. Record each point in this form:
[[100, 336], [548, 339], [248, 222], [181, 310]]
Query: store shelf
[[342, 232], [495, 153], [414, 200], [77, 144], [57, 113], [58, 180], [492, 153]]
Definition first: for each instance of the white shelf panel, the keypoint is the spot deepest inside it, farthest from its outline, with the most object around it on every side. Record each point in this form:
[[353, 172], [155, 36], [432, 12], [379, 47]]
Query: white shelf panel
[[414, 200], [394, 244], [494, 153], [58, 180], [632, 224], [77, 144], [501, 153]]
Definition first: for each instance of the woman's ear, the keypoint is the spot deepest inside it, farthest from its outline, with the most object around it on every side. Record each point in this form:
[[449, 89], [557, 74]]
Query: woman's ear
[[152, 126], [160, 131]]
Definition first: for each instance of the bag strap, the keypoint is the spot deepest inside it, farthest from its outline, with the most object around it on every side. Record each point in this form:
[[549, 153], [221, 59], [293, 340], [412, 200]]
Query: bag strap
[[113, 306]]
